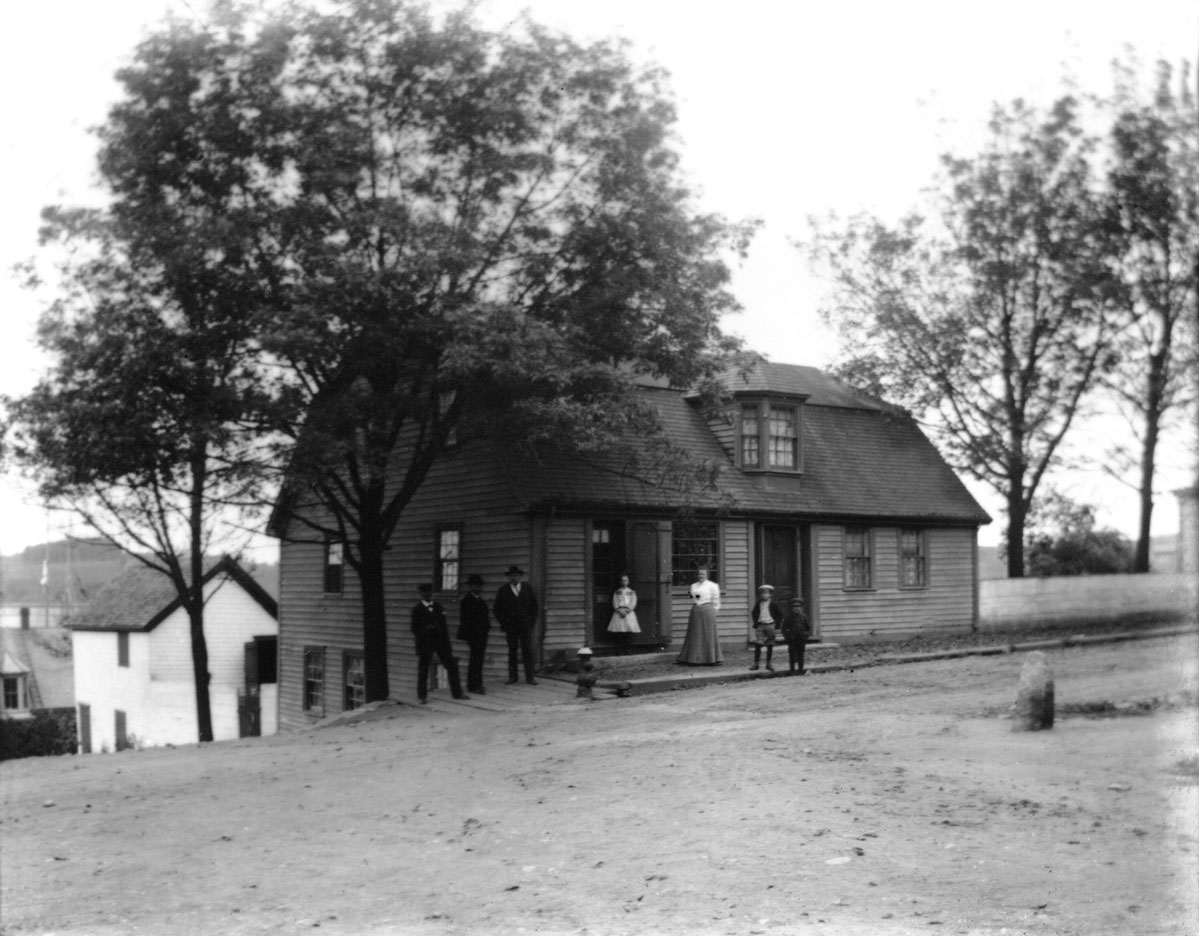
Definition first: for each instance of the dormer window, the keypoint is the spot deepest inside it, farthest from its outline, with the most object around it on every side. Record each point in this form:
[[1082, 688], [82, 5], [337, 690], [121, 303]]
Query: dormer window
[[769, 436]]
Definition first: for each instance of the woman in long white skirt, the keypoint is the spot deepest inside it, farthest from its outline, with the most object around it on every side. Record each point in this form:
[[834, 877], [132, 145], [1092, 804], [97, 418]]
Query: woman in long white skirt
[[701, 647]]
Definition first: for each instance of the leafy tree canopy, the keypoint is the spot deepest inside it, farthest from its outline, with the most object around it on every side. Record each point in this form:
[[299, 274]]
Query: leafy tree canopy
[[443, 233]]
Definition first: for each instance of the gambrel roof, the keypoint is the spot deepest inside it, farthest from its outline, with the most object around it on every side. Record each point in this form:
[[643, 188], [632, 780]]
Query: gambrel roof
[[862, 459], [141, 598]]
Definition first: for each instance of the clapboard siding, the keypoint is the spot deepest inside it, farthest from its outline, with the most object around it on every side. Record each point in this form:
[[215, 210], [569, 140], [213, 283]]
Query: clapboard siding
[[564, 598], [462, 489], [886, 610]]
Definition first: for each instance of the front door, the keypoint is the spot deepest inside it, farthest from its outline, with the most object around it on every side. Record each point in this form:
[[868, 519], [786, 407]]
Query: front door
[[631, 548], [778, 562], [85, 729]]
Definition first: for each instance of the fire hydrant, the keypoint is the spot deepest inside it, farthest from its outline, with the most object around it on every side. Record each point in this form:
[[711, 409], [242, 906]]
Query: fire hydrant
[[585, 680]]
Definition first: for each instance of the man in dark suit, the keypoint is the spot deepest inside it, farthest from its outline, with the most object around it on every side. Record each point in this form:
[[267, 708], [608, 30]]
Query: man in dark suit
[[516, 609], [432, 635], [474, 624]]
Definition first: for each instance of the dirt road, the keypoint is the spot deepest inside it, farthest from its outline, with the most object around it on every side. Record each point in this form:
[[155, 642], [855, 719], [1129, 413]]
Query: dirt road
[[883, 801]]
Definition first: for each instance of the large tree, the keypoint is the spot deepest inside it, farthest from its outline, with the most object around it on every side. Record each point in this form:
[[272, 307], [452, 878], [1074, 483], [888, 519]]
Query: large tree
[[989, 319], [1153, 182], [494, 237], [147, 424], [447, 233]]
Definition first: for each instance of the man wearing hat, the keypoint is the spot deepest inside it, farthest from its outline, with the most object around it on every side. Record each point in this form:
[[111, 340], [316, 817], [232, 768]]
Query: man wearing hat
[[474, 624], [515, 608], [765, 617], [432, 635]]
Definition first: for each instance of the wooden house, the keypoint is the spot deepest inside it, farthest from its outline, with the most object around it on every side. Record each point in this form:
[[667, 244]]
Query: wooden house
[[134, 681], [823, 493], [37, 706]]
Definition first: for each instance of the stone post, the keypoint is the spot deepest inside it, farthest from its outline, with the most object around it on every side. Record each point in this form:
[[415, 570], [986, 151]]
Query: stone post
[[1034, 696]]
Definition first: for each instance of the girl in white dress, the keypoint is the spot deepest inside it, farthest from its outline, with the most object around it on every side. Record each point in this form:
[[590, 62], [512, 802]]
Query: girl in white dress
[[624, 605]]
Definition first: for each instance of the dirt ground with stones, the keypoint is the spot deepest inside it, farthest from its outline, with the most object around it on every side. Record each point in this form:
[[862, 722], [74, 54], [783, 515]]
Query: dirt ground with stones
[[887, 800]]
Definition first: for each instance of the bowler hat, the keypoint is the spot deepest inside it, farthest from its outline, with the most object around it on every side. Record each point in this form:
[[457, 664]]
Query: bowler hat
[[515, 570], [475, 580], [424, 587]]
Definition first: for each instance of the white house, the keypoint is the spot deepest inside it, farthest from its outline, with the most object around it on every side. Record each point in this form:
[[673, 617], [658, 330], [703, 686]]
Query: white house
[[134, 683]]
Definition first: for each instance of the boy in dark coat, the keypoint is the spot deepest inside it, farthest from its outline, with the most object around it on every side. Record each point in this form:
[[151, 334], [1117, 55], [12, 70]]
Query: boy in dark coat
[[432, 634], [796, 632], [765, 618]]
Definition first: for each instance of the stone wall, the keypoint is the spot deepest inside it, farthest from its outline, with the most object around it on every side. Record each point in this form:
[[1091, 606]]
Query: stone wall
[[1004, 602]]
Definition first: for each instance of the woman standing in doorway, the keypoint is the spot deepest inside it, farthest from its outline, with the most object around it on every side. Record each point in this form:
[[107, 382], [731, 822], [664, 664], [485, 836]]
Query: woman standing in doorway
[[702, 644]]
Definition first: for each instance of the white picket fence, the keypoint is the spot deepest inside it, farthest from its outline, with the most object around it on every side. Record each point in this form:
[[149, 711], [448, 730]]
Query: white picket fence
[[1086, 597]]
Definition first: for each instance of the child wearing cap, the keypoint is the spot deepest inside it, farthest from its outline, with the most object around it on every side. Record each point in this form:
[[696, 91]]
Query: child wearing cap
[[765, 618], [796, 632]]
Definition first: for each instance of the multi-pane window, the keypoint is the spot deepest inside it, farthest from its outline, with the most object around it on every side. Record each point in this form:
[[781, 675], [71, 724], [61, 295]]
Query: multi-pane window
[[14, 693], [335, 564], [768, 437], [858, 555], [751, 438], [693, 545], [445, 401], [355, 682], [913, 561], [783, 438], [449, 558], [122, 648], [314, 679]]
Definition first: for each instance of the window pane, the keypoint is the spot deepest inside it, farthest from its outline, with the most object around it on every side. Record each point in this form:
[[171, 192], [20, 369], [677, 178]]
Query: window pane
[[750, 439], [912, 562], [692, 545], [334, 566], [314, 679], [448, 549], [784, 437], [858, 570], [355, 682]]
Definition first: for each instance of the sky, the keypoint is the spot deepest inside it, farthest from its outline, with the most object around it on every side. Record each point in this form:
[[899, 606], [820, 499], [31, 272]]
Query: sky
[[788, 109]]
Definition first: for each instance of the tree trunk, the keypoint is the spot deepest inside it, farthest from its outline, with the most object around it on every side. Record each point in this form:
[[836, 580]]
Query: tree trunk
[[1015, 532], [195, 610], [1140, 559], [374, 616]]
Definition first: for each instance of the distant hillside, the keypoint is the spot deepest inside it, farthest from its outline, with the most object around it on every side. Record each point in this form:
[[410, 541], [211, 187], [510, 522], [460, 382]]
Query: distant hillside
[[77, 569]]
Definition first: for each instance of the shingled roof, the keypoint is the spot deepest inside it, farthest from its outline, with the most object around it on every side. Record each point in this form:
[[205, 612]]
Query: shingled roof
[[863, 459], [44, 653], [141, 598]]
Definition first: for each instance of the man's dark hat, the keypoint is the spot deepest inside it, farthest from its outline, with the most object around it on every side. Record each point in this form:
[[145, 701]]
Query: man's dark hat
[[424, 587], [475, 580], [515, 570]]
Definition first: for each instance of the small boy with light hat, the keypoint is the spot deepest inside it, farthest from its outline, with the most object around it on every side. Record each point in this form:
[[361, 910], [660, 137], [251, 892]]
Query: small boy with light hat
[[765, 617]]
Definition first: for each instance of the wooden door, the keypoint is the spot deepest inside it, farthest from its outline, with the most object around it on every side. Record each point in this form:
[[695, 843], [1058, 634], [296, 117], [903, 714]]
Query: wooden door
[[85, 729], [643, 569], [121, 740], [778, 562]]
